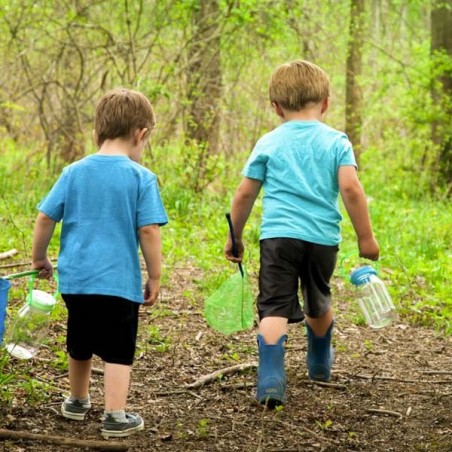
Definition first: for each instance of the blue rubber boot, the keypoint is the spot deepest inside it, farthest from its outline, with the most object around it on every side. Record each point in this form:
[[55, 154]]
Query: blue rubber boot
[[320, 356], [271, 374]]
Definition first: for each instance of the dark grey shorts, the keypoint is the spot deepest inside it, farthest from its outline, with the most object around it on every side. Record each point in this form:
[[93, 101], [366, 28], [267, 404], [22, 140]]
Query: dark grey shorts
[[102, 325], [285, 265]]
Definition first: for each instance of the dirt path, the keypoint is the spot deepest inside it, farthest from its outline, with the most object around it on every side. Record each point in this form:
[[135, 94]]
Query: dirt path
[[391, 389]]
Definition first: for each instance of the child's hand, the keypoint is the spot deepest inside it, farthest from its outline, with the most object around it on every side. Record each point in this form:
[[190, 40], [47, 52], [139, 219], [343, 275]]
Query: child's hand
[[368, 248], [228, 250], [151, 292], [45, 267]]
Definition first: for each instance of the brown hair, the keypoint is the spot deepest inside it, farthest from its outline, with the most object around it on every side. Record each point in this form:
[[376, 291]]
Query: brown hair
[[295, 85], [120, 112]]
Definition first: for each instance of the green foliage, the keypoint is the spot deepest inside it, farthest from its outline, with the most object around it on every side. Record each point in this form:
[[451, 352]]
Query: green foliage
[[103, 45], [157, 341], [416, 264]]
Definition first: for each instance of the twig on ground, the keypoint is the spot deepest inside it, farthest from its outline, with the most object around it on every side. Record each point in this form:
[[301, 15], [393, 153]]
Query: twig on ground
[[436, 372], [445, 394], [23, 264], [307, 430], [14, 264], [325, 384], [8, 254], [61, 440], [399, 380], [175, 392], [209, 378], [389, 413]]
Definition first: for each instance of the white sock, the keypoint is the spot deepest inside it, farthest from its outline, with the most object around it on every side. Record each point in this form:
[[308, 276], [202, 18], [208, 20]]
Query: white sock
[[119, 415]]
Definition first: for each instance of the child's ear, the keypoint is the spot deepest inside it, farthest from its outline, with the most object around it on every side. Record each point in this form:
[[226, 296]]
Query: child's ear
[[140, 135], [325, 105], [278, 110]]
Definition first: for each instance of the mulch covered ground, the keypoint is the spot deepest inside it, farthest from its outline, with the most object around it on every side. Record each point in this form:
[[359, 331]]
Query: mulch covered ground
[[391, 389]]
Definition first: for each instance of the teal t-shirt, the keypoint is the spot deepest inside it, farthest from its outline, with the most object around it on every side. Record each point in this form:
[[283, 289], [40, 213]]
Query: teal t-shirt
[[298, 165], [102, 201]]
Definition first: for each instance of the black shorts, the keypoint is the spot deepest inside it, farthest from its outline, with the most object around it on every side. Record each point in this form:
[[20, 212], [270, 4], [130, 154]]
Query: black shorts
[[102, 325], [284, 265]]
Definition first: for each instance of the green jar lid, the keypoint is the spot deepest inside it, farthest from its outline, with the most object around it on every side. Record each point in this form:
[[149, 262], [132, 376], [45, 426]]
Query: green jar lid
[[41, 300]]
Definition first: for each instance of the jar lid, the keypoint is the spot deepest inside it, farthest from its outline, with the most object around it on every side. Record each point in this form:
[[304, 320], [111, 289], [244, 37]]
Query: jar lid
[[362, 275], [41, 300]]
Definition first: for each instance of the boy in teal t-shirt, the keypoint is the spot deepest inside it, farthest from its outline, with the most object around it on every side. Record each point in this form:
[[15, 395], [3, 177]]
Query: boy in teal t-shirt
[[302, 165], [109, 206]]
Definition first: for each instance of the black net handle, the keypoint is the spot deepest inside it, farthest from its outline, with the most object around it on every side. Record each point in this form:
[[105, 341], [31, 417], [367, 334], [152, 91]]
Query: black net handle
[[235, 251]]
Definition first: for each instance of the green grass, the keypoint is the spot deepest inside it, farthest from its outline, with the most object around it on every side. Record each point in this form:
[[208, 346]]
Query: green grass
[[414, 233], [415, 237]]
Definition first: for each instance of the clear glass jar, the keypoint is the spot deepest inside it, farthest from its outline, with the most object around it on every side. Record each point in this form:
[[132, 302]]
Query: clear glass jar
[[373, 298], [30, 327]]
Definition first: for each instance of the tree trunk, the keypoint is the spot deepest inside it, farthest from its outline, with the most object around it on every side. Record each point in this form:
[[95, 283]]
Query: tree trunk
[[205, 77], [441, 23], [353, 94]]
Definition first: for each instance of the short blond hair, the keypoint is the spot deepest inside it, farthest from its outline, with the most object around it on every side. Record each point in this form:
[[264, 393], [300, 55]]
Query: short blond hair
[[120, 112], [295, 85]]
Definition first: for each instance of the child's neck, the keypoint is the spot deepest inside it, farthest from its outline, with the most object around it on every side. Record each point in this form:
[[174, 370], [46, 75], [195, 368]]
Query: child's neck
[[313, 112], [307, 114], [117, 146]]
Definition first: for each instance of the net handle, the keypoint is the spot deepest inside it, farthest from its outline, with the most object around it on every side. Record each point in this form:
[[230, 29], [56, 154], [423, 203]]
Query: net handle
[[235, 251]]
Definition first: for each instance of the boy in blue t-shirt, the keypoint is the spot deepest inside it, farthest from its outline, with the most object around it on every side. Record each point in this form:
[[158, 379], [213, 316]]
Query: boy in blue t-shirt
[[109, 205], [302, 165]]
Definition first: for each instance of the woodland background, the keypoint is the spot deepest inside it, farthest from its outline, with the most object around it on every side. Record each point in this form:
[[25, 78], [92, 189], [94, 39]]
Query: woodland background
[[205, 65]]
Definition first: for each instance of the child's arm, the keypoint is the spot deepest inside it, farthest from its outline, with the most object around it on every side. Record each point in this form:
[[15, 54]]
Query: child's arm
[[43, 231], [242, 205], [151, 247], [356, 204]]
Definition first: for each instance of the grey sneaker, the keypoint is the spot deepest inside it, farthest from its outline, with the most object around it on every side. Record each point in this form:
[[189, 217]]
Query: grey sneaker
[[74, 409], [115, 429]]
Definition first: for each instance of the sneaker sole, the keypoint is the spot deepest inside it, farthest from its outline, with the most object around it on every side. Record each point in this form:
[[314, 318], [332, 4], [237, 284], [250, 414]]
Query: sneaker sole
[[72, 416], [121, 434]]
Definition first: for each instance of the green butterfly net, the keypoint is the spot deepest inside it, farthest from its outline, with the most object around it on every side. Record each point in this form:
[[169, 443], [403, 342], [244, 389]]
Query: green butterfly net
[[231, 307]]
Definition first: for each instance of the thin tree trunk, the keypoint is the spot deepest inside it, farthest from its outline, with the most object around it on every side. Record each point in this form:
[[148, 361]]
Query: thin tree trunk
[[353, 95], [441, 23], [205, 77]]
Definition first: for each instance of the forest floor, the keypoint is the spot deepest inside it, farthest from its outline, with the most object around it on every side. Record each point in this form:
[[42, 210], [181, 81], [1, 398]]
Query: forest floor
[[391, 389]]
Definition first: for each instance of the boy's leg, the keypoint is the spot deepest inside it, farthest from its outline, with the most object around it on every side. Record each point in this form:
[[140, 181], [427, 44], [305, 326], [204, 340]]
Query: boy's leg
[[278, 305], [272, 328], [116, 346], [315, 277], [320, 354], [116, 386], [271, 374], [78, 403], [320, 325], [116, 422], [79, 376]]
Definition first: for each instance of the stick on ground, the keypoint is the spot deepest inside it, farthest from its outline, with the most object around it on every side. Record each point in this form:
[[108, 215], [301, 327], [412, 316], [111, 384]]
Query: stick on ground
[[61, 440], [8, 254], [209, 378]]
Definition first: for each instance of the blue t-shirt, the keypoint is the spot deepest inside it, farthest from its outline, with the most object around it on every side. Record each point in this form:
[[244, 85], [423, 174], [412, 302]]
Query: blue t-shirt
[[298, 165], [103, 201]]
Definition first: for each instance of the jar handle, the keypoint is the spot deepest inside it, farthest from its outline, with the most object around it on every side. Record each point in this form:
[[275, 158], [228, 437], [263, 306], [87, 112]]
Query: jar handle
[[31, 282]]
